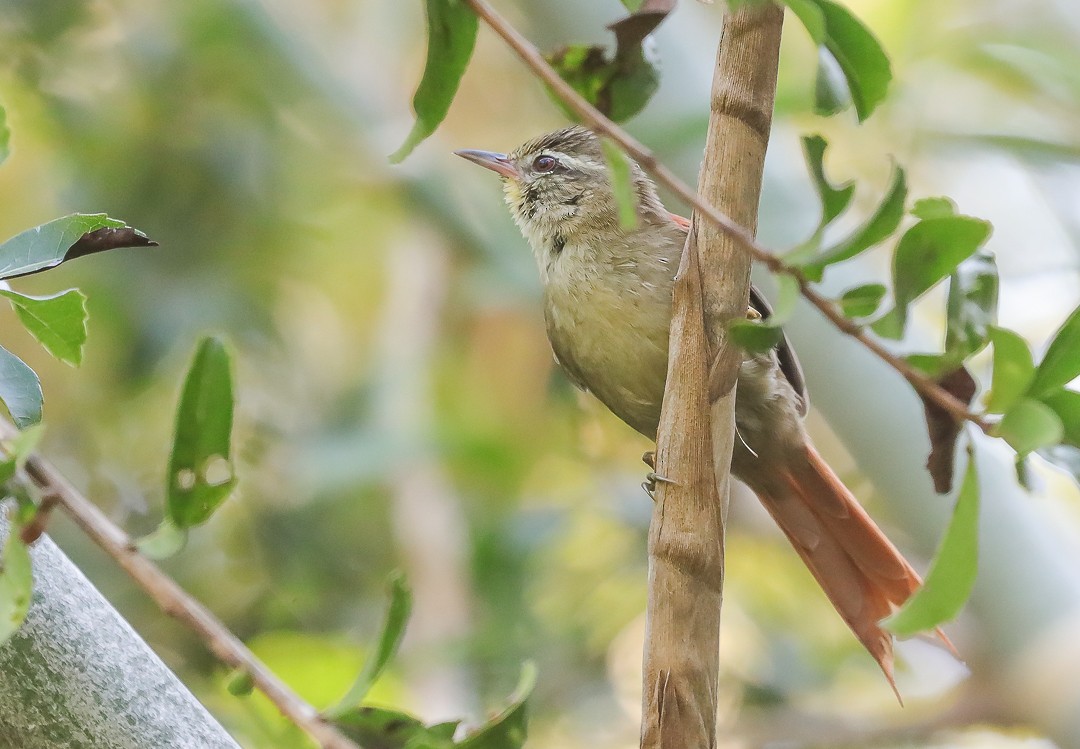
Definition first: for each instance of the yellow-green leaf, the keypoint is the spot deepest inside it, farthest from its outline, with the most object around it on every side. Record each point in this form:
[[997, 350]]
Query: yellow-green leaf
[[622, 183], [952, 573], [1030, 425], [58, 322], [16, 583], [1013, 370]]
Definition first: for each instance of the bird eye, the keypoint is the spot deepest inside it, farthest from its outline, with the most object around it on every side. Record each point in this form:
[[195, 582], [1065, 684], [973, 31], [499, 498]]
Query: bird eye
[[544, 163]]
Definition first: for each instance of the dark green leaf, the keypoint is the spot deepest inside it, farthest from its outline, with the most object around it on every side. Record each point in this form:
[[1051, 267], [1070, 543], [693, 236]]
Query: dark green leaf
[[756, 335], [860, 56], [1029, 425], [17, 450], [1061, 364], [952, 573], [933, 208], [621, 86], [57, 321], [452, 28], [834, 199], [927, 254], [201, 473], [1013, 370], [1066, 404], [66, 238], [972, 305], [862, 301], [20, 390], [508, 729], [16, 583], [5, 137], [385, 728], [397, 616], [621, 183], [881, 224]]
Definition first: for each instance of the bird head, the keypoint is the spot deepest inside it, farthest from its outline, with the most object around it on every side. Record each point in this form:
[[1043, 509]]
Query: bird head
[[559, 185]]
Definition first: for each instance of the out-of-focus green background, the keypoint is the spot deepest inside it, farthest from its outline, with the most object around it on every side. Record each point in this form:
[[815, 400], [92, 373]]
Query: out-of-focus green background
[[398, 404]]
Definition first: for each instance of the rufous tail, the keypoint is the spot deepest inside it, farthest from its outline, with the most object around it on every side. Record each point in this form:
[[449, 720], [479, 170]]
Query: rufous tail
[[859, 569]]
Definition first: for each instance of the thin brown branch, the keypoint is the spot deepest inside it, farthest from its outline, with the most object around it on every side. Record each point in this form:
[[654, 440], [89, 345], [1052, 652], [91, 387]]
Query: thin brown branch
[[175, 601], [596, 120]]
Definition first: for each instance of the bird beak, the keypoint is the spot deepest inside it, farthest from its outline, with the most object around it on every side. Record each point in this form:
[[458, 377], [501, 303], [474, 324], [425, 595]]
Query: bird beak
[[497, 162]]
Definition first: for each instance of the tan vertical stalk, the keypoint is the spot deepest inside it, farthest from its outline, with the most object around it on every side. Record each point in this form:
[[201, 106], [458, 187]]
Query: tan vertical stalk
[[686, 537]]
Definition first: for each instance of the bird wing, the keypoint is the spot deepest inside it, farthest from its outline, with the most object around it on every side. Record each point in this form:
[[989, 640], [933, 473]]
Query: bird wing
[[785, 352]]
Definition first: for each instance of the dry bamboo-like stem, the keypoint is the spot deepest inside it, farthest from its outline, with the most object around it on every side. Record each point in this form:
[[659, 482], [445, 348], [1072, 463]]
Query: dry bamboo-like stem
[[695, 440], [591, 116], [175, 601]]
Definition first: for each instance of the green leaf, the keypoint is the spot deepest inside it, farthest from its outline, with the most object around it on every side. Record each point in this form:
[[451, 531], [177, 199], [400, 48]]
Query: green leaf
[[397, 616], [932, 365], [16, 583], [1066, 404], [1013, 370], [17, 450], [811, 16], [857, 52], [1030, 425], [756, 336], [883, 222], [972, 305], [618, 86], [621, 183], [66, 238], [201, 471], [834, 199], [167, 540], [5, 137], [452, 28], [508, 729], [1061, 364], [862, 301], [20, 390], [952, 573], [927, 254], [933, 208], [57, 321], [386, 728]]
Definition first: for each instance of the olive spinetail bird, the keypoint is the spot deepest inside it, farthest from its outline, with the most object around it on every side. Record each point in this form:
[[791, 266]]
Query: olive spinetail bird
[[607, 305]]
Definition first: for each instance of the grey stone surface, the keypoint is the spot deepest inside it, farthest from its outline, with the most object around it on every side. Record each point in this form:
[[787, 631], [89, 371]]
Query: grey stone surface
[[77, 676]]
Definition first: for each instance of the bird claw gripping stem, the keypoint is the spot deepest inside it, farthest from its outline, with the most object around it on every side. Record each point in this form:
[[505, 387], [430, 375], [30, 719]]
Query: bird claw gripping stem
[[652, 477]]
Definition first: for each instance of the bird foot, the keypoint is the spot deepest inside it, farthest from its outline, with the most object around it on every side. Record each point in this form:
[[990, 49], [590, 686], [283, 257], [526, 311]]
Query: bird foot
[[652, 478]]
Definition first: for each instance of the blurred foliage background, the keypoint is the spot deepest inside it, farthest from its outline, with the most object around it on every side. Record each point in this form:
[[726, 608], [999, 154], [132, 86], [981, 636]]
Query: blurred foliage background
[[398, 404]]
